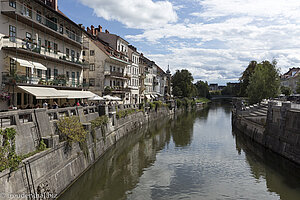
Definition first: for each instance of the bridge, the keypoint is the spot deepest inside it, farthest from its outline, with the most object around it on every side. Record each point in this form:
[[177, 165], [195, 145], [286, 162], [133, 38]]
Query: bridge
[[221, 97]]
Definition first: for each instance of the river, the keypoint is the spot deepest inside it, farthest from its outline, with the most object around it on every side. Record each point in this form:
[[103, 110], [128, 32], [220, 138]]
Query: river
[[196, 155]]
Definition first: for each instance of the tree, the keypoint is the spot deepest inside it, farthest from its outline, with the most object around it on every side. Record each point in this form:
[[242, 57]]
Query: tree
[[285, 90], [264, 82], [202, 89], [183, 84], [244, 80]]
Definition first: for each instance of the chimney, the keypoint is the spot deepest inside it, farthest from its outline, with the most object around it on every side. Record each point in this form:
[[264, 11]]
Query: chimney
[[88, 30], [93, 30], [106, 31], [96, 31], [55, 5], [100, 28]]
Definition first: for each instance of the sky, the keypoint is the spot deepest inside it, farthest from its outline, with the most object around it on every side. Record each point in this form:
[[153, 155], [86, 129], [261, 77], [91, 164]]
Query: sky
[[214, 39]]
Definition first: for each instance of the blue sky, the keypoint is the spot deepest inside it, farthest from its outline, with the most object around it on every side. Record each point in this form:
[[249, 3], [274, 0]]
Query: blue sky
[[213, 39]]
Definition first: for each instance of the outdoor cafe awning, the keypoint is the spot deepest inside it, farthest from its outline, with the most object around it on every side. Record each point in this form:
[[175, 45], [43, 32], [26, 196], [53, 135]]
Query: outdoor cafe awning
[[39, 66], [24, 63], [148, 96], [77, 94], [43, 92]]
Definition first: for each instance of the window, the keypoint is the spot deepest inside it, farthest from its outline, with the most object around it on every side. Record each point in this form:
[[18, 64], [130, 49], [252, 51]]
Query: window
[[12, 33], [55, 73], [92, 52], [83, 53], [13, 66], [68, 32], [47, 45], [92, 67], [73, 78], [67, 52], [61, 29], [28, 71], [39, 73], [68, 75], [12, 3], [73, 55], [92, 82], [27, 11], [48, 73], [39, 16], [55, 47], [77, 56], [78, 78]]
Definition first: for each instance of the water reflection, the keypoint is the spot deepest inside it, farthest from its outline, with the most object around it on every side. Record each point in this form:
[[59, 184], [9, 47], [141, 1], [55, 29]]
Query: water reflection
[[194, 156], [281, 175]]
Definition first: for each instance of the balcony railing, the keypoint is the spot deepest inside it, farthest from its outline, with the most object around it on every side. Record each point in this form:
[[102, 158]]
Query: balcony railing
[[114, 73], [28, 45], [19, 78], [36, 17]]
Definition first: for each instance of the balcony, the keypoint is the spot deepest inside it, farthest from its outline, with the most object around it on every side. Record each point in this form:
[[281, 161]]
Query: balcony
[[26, 47], [116, 90], [36, 20], [115, 74], [23, 79]]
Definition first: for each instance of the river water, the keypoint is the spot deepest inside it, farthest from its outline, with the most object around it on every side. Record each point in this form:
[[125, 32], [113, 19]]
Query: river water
[[197, 155]]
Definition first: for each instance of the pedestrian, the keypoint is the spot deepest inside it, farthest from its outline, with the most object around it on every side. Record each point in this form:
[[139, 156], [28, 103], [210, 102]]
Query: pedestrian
[[55, 105], [45, 104]]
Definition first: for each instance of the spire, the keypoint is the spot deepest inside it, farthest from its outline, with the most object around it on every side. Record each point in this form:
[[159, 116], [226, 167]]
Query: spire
[[168, 71]]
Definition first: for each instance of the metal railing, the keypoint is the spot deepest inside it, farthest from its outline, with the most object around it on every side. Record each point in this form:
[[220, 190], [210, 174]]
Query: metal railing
[[31, 46], [36, 17]]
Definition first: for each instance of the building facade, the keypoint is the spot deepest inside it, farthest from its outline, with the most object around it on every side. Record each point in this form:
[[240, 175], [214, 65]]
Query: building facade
[[133, 71], [40, 47], [291, 79]]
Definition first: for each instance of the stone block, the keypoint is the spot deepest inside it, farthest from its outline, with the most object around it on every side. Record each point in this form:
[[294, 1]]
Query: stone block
[[51, 141]]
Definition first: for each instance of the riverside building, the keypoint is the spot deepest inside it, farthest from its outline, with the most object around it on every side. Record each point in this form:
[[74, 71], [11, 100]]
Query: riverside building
[[40, 54]]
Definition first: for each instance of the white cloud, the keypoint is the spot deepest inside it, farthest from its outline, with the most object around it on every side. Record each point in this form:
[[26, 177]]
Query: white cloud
[[244, 30], [142, 14], [217, 39]]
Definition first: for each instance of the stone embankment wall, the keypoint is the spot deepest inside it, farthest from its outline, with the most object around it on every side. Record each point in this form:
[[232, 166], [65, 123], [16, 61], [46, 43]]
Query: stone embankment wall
[[54, 169], [278, 128]]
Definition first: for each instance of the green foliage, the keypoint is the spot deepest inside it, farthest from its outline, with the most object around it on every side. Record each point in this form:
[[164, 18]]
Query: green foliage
[[8, 156], [183, 84], [244, 80], [285, 90], [42, 146], [71, 129], [202, 89], [202, 100], [123, 113], [264, 82], [217, 92], [99, 121], [231, 89], [179, 103]]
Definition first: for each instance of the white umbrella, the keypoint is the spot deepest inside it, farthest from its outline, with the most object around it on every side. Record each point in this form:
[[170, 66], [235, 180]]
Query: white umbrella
[[96, 98], [116, 99], [108, 97]]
